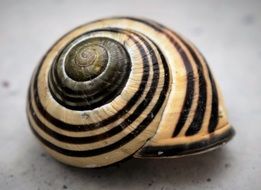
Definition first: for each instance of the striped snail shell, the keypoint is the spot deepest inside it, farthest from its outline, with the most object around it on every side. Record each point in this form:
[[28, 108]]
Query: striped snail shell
[[122, 87]]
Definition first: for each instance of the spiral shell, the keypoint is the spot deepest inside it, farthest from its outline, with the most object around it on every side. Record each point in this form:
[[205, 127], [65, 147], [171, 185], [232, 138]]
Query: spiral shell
[[119, 87]]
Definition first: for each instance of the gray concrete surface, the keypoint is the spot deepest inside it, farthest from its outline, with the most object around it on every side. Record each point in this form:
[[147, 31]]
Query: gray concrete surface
[[227, 32]]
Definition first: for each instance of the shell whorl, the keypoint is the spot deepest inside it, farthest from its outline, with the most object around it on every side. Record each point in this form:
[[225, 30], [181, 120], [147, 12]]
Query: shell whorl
[[124, 86], [89, 72]]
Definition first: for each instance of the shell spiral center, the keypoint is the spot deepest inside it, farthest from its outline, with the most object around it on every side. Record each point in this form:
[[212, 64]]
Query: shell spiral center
[[89, 72], [86, 61]]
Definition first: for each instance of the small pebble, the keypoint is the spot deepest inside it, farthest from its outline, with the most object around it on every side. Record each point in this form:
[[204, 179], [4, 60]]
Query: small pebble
[[248, 19], [5, 84], [227, 165], [150, 183]]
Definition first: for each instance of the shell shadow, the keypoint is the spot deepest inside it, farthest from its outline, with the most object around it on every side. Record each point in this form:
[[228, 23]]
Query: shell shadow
[[138, 172]]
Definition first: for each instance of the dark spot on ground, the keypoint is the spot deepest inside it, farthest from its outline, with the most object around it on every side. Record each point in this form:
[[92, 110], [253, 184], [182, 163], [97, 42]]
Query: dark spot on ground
[[150, 183], [43, 155], [248, 19], [5, 84], [208, 179], [227, 165], [11, 176], [65, 187], [48, 183]]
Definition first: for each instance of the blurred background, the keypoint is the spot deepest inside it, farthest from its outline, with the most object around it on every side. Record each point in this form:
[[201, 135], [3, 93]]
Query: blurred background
[[227, 32]]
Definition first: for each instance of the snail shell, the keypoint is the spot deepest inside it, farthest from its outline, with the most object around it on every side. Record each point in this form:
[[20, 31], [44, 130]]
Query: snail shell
[[122, 87]]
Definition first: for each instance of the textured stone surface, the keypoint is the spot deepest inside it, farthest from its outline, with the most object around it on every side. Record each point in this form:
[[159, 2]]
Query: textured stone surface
[[228, 34]]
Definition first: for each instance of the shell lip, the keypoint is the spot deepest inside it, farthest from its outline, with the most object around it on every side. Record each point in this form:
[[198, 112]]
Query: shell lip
[[181, 150]]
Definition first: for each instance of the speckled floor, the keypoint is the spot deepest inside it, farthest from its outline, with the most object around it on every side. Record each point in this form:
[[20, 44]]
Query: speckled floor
[[228, 34]]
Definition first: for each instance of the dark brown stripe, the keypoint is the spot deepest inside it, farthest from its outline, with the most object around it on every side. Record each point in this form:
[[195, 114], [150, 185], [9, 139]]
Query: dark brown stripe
[[214, 106], [196, 124], [190, 75], [189, 148]]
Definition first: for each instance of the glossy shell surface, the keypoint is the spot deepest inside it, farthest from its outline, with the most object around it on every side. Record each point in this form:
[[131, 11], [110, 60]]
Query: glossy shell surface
[[122, 87]]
